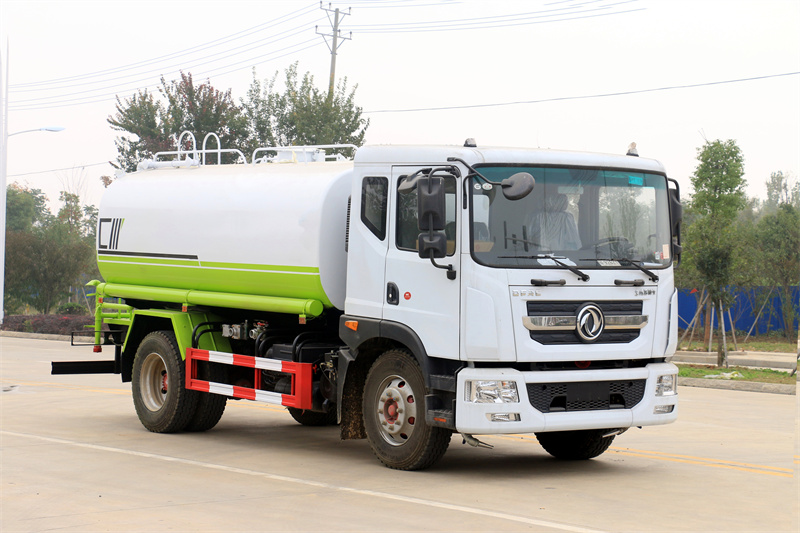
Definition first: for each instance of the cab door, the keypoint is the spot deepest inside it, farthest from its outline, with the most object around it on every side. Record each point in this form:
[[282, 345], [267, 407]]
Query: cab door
[[418, 294]]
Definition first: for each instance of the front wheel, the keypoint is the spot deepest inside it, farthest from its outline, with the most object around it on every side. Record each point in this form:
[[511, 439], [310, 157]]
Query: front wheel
[[575, 445], [163, 403], [394, 414]]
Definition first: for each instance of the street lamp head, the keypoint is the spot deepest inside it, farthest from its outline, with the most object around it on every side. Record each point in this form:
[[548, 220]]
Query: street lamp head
[[49, 128]]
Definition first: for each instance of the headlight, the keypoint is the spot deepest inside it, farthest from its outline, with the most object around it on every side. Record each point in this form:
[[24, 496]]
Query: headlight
[[491, 391], [666, 385]]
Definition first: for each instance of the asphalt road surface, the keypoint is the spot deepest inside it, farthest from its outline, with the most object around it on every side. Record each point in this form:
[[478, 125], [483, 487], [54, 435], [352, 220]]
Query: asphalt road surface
[[74, 457]]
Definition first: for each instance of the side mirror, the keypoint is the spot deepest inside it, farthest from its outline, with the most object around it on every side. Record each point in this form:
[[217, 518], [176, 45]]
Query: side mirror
[[432, 245], [518, 186], [431, 203], [675, 218]]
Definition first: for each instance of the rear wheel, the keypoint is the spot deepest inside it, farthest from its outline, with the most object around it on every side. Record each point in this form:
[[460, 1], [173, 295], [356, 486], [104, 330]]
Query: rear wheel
[[209, 406], [163, 403], [313, 418], [394, 414], [575, 445]]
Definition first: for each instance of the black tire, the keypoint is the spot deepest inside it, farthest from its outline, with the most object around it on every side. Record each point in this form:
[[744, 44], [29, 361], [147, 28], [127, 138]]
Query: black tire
[[394, 414], [163, 403], [209, 406], [575, 445], [313, 418]]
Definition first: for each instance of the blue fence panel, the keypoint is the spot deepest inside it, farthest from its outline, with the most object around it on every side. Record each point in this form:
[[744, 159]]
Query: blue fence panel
[[746, 305]]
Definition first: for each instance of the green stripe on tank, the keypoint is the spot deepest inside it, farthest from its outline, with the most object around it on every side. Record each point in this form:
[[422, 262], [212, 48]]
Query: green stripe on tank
[[303, 282], [147, 260], [265, 268]]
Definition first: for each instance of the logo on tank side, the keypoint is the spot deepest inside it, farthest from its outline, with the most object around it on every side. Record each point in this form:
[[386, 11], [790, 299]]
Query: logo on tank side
[[108, 233]]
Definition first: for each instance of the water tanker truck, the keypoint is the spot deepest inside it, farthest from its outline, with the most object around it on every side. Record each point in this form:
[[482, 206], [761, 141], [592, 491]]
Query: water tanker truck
[[407, 293]]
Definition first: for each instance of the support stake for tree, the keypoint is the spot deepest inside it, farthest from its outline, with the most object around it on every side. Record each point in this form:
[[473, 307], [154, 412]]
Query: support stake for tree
[[759, 314], [724, 340], [733, 331], [711, 328], [692, 325]]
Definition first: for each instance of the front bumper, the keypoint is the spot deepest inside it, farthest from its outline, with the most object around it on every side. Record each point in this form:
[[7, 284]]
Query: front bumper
[[477, 418]]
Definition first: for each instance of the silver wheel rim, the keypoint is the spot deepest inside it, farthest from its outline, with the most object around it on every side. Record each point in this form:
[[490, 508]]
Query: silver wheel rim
[[396, 410], [154, 382]]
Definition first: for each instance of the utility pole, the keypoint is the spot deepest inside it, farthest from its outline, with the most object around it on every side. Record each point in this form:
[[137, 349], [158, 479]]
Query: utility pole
[[335, 36]]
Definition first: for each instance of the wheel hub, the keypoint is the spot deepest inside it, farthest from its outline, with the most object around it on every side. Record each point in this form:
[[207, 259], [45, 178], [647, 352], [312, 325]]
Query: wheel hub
[[397, 410]]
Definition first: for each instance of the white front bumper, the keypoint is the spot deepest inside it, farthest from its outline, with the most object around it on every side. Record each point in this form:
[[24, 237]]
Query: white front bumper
[[475, 418]]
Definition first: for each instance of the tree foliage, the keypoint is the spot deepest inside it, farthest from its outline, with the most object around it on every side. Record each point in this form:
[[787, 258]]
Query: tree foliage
[[46, 254], [301, 114], [718, 181], [151, 125], [779, 239], [25, 208], [42, 264]]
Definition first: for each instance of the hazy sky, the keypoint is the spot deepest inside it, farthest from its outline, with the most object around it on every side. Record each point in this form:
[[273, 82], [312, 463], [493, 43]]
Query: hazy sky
[[533, 73]]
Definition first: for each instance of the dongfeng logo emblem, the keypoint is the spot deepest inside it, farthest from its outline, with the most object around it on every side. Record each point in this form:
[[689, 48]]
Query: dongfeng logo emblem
[[589, 323]]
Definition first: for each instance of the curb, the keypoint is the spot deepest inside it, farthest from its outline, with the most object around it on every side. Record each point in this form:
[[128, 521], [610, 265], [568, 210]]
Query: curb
[[41, 336], [747, 386]]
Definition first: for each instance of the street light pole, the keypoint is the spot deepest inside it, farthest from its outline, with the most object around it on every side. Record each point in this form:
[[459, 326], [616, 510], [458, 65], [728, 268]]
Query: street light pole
[[4, 135]]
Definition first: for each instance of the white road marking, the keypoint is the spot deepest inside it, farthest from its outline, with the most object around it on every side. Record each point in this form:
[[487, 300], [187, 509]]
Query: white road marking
[[312, 483]]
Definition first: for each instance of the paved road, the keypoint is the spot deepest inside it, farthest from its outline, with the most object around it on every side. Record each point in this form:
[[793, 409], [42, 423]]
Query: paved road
[[73, 457]]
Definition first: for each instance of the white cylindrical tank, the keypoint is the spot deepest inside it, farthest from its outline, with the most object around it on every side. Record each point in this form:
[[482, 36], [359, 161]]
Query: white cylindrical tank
[[275, 230]]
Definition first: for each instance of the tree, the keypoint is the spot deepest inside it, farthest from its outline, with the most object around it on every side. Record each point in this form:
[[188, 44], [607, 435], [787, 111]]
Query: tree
[[779, 239], [153, 125], [303, 114], [42, 264], [780, 191], [46, 255], [202, 109], [25, 208], [718, 197], [140, 117]]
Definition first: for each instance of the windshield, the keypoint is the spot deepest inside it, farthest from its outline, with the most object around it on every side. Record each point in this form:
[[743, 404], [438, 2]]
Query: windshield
[[589, 218]]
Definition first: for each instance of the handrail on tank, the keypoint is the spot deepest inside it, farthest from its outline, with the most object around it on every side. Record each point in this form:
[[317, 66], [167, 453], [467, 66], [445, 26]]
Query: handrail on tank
[[194, 144], [187, 162], [198, 157], [219, 151], [303, 149]]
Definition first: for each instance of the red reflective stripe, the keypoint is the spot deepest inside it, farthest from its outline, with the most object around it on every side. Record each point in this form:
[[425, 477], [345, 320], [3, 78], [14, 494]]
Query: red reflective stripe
[[194, 353], [243, 392], [244, 360], [302, 385], [198, 384]]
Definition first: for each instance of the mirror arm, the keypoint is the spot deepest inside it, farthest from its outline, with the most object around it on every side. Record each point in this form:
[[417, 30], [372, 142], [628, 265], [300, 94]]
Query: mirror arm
[[472, 174], [451, 272]]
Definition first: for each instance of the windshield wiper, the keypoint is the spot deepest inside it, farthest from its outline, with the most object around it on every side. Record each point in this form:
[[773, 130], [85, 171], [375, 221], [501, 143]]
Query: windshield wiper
[[581, 275], [630, 262]]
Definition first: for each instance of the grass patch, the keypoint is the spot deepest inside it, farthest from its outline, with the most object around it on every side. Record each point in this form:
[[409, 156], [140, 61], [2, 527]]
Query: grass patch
[[761, 343], [747, 374]]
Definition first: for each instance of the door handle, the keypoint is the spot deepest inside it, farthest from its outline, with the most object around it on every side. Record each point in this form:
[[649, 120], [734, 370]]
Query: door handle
[[392, 294]]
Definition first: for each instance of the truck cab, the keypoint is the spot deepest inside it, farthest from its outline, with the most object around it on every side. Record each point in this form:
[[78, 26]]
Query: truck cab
[[547, 312]]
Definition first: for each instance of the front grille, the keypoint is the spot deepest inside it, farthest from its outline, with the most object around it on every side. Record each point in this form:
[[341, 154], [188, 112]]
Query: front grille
[[632, 307], [586, 395], [555, 337]]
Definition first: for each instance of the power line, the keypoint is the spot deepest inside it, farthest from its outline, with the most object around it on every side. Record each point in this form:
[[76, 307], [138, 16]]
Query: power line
[[249, 62], [583, 97], [567, 13], [57, 169], [188, 51]]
